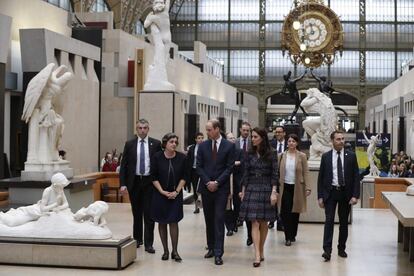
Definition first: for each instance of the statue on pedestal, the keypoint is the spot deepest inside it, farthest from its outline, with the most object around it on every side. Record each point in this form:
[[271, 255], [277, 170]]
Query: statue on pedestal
[[373, 169], [292, 91], [51, 217], [159, 23], [319, 128], [45, 124]]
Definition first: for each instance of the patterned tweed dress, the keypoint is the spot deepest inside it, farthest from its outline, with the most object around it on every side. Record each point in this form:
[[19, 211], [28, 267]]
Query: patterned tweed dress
[[258, 178]]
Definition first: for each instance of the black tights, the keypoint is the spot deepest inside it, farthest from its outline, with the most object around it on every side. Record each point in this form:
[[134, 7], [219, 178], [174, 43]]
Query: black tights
[[162, 228]]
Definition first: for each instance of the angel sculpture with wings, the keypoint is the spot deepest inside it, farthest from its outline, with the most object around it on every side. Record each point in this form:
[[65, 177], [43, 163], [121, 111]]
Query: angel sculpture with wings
[[45, 125]]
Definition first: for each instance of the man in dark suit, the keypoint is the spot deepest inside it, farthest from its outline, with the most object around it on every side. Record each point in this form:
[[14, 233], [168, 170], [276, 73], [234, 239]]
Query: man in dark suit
[[215, 159], [280, 145], [338, 184], [192, 162], [243, 144], [135, 177]]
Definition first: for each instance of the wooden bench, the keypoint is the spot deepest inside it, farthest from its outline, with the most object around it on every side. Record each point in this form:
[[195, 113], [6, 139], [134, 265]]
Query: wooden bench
[[110, 182], [388, 184]]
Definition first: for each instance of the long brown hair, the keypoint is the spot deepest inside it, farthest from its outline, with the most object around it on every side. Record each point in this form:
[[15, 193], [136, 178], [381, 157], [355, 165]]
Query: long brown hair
[[264, 149]]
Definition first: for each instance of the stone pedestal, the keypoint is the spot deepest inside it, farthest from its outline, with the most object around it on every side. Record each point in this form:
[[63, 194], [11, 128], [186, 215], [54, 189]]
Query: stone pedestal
[[314, 213], [367, 189], [44, 171], [105, 254], [79, 192]]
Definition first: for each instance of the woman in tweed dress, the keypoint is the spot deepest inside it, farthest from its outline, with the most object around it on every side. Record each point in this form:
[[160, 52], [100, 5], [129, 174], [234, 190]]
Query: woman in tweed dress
[[259, 190]]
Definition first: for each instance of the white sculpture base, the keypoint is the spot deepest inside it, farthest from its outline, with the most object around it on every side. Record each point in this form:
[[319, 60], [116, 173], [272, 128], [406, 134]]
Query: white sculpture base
[[64, 227], [367, 187], [106, 254], [314, 163], [44, 172]]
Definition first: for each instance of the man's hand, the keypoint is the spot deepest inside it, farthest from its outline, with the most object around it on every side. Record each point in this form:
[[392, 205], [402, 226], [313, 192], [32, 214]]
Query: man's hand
[[123, 190], [353, 201], [321, 204], [212, 186], [241, 195]]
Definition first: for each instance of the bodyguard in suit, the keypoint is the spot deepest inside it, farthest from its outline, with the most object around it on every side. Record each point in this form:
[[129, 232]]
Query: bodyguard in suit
[[279, 143], [215, 160], [243, 144], [338, 185], [192, 162], [135, 177]]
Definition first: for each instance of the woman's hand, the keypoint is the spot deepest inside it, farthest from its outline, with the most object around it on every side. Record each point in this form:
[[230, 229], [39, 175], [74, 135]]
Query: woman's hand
[[241, 195], [173, 195], [166, 194], [308, 192], [273, 198]]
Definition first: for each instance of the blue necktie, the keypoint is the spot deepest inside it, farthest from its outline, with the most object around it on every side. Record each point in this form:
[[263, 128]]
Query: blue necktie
[[142, 158], [280, 148]]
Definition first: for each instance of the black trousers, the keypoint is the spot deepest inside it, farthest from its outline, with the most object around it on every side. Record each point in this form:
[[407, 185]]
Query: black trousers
[[336, 198], [214, 206], [290, 220], [140, 197], [194, 181]]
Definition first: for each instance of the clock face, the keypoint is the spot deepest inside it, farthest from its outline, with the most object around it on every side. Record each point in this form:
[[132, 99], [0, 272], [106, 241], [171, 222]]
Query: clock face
[[313, 31]]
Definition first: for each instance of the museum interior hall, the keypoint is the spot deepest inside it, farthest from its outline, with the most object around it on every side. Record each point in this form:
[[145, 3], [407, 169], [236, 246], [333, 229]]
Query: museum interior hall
[[179, 137]]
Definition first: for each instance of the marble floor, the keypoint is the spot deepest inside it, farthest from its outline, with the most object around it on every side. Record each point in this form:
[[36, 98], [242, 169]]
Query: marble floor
[[372, 247]]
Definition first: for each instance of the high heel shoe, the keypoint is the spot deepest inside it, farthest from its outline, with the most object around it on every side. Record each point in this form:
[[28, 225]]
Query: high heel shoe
[[261, 259], [256, 264], [164, 256], [176, 257]]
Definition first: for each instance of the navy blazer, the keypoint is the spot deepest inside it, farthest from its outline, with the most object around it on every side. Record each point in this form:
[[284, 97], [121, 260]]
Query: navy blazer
[[351, 175], [218, 170], [129, 160], [273, 143]]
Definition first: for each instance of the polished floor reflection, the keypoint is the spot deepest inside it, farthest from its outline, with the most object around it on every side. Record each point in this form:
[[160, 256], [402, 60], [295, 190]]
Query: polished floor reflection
[[372, 248]]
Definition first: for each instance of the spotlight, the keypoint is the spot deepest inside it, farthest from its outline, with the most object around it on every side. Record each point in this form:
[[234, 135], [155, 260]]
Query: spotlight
[[302, 47], [307, 60], [296, 25]]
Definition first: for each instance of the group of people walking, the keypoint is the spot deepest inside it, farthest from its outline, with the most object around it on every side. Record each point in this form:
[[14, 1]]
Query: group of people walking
[[259, 176]]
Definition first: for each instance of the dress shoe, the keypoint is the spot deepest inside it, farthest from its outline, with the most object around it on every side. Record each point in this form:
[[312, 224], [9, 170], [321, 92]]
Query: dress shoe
[[218, 261], [326, 256], [164, 256], [280, 227], [196, 211], [249, 242], [209, 254], [150, 250], [139, 244], [229, 233], [256, 264], [342, 254], [293, 240], [176, 257], [288, 243], [271, 225], [239, 223], [235, 229]]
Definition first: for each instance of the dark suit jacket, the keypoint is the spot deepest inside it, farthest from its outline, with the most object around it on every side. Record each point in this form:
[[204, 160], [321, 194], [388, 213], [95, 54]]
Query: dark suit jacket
[[129, 160], [218, 170], [351, 175], [239, 155], [273, 143]]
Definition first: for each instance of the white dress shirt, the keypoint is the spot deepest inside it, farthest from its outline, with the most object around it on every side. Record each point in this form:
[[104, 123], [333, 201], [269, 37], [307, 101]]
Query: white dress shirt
[[290, 169], [195, 156], [278, 145], [147, 157], [217, 144], [335, 167]]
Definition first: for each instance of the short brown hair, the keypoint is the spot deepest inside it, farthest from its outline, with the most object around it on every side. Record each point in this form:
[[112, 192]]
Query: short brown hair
[[336, 132], [167, 137], [215, 123]]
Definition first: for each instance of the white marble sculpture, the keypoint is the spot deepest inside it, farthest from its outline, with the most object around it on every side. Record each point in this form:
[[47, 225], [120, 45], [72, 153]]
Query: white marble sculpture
[[51, 217], [45, 125], [319, 128], [159, 23], [94, 212], [372, 146]]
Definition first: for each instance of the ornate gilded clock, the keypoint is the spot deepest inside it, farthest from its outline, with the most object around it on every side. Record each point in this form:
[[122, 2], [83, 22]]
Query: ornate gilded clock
[[312, 34]]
